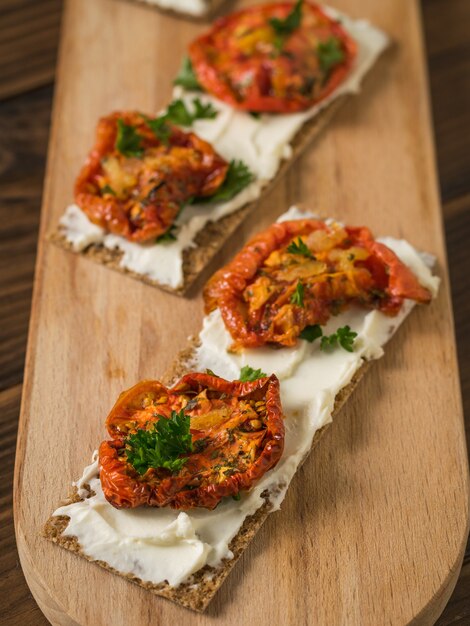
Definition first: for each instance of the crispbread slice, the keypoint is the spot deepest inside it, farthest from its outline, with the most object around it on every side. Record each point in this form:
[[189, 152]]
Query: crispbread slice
[[213, 8], [198, 591], [211, 238]]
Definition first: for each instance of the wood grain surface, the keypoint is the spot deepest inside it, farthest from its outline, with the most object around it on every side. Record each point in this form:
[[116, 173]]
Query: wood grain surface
[[23, 189], [29, 31]]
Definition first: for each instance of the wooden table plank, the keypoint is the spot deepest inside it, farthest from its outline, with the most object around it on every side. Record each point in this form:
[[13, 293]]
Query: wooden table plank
[[22, 172], [21, 187], [447, 25], [17, 604], [24, 128], [29, 32]]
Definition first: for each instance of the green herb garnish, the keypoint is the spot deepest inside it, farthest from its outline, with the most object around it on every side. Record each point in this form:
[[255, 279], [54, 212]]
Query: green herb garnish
[[168, 235], [160, 128], [203, 111], [310, 333], [162, 445], [179, 114], [299, 247], [330, 53], [237, 496], [248, 374], [343, 336], [201, 444], [237, 178], [211, 372], [107, 189], [298, 296], [285, 27], [128, 141], [186, 76]]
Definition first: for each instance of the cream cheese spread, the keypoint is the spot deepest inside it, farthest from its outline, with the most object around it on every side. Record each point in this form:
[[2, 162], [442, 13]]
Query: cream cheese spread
[[190, 7], [262, 143], [160, 545]]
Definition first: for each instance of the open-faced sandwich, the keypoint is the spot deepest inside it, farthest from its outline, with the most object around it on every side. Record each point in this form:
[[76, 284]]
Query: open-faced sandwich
[[191, 471], [256, 88]]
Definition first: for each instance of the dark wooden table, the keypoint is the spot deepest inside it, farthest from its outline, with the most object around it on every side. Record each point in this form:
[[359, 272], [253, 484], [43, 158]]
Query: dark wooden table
[[28, 45]]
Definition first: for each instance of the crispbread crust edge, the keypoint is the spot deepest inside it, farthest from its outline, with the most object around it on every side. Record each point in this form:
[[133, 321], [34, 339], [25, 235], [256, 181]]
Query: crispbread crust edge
[[197, 592], [211, 238]]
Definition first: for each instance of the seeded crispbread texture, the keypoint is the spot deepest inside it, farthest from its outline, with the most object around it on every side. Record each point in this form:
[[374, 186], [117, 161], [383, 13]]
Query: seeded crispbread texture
[[211, 238], [213, 8], [199, 590]]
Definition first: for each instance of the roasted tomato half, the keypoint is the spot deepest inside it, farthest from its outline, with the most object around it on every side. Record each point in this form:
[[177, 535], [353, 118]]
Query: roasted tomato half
[[192, 444], [299, 273], [133, 184], [274, 58]]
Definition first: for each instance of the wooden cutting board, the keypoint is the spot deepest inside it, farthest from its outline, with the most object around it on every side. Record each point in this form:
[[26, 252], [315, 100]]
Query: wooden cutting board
[[374, 525]]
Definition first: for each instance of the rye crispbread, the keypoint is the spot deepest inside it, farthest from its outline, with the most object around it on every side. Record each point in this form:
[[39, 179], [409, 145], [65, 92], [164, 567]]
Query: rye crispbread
[[198, 591], [214, 234]]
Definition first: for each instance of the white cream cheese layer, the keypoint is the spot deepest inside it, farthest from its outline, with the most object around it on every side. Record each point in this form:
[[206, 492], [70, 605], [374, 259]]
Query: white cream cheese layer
[[262, 143], [190, 7], [163, 545]]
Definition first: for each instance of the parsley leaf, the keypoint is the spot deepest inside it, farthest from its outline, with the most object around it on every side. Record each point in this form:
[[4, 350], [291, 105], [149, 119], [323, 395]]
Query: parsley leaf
[[298, 296], [168, 236], [310, 333], [343, 336], [211, 372], [290, 23], [179, 114], [237, 178], [328, 342], [300, 247], [186, 76], [248, 374], [107, 189], [160, 129], [346, 338], [161, 445], [330, 53], [204, 111], [128, 141]]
